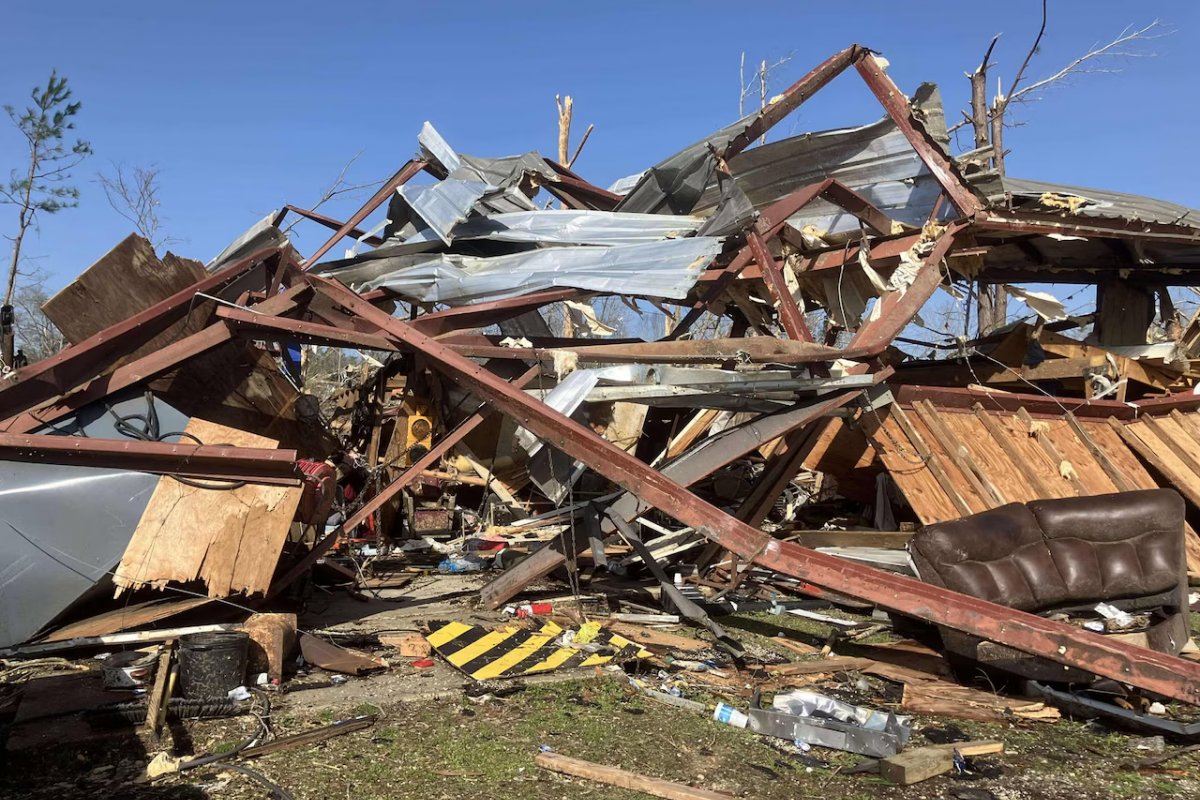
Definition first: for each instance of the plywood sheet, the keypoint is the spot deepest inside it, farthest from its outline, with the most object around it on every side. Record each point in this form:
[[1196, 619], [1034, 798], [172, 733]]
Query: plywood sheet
[[228, 539], [128, 279]]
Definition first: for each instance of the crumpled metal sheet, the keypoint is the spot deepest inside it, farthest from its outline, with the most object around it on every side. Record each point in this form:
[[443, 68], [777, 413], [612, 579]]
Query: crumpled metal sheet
[[570, 226], [820, 720], [1101, 203], [667, 268], [443, 205], [437, 150], [261, 234], [676, 184], [874, 160]]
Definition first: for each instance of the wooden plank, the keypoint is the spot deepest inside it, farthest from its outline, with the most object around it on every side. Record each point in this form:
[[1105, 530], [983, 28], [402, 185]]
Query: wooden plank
[[1034, 455], [931, 462], [131, 637], [958, 454], [993, 464], [891, 540], [1146, 444], [1052, 452], [910, 471], [1115, 475], [998, 435], [126, 280], [697, 425], [981, 747], [157, 701], [1170, 434], [914, 766], [229, 539], [136, 615], [1092, 476], [821, 666], [1188, 422], [624, 779], [650, 636], [948, 426]]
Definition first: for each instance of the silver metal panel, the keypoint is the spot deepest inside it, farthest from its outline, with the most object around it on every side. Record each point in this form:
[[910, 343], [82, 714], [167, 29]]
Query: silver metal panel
[[436, 149], [874, 160], [443, 205], [668, 268], [63, 528], [567, 226]]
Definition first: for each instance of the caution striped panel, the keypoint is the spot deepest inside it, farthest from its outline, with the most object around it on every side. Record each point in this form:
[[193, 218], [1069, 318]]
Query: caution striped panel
[[511, 652]]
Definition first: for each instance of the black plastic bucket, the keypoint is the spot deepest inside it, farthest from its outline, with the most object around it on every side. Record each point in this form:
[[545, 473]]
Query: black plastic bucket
[[212, 664]]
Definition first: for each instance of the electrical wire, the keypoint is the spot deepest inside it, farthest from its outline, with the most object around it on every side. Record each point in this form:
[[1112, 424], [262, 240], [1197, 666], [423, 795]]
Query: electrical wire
[[149, 431]]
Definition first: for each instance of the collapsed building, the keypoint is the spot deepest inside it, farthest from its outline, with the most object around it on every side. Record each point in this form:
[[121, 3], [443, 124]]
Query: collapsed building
[[775, 439]]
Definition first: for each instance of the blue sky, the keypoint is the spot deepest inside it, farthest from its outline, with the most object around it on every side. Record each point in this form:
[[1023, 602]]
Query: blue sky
[[245, 106]]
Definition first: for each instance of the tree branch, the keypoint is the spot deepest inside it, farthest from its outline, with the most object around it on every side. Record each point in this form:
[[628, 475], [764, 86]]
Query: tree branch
[[1098, 51]]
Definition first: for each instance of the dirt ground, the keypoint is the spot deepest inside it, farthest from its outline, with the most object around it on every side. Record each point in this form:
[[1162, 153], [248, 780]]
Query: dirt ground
[[435, 736]]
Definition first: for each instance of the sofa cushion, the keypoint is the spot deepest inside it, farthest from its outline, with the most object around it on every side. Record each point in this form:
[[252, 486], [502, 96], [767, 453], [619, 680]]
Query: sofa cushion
[[998, 555], [1116, 546]]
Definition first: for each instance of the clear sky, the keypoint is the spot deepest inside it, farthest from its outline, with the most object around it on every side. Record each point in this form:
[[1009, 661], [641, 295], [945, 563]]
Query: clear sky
[[245, 106]]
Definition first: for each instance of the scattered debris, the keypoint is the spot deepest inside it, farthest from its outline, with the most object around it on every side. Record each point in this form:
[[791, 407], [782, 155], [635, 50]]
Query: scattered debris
[[746, 510]]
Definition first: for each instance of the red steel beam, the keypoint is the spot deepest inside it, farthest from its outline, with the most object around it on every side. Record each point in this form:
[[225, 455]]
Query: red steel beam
[[146, 367], [332, 224], [899, 109], [1150, 670], [755, 349], [1015, 222], [402, 177], [50, 377], [794, 95], [259, 465], [492, 312], [250, 325], [899, 308], [790, 316]]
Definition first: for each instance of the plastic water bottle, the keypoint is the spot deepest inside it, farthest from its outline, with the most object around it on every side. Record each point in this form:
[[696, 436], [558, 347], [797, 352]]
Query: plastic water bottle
[[730, 716]]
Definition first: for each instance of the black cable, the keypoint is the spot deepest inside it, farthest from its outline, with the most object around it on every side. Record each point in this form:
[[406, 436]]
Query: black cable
[[274, 788], [149, 431]]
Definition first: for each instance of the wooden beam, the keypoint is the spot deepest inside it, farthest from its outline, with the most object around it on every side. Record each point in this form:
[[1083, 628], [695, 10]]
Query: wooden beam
[[1001, 437], [931, 461], [1052, 452], [958, 453], [624, 779], [888, 540], [157, 701], [1114, 474], [1169, 440]]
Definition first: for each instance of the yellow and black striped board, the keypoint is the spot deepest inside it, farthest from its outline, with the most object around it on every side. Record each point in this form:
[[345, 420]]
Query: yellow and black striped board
[[512, 652]]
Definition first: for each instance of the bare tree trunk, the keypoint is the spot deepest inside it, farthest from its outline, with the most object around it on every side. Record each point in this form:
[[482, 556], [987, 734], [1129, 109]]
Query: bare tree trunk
[[565, 107], [22, 226], [991, 300], [979, 105], [762, 93], [998, 137]]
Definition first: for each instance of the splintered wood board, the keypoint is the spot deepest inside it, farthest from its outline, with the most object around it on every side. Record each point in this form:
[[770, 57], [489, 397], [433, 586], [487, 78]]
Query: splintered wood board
[[137, 615], [128, 279], [229, 539]]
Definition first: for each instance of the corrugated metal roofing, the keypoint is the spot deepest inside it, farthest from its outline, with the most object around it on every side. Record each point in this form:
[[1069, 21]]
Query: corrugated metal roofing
[[1104, 203]]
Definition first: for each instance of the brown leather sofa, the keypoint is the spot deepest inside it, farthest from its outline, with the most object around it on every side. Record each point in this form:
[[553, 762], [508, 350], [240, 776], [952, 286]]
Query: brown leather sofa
[[1064, 555]]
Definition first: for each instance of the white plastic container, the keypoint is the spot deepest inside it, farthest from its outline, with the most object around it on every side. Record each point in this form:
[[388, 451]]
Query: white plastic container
[[730, 716]]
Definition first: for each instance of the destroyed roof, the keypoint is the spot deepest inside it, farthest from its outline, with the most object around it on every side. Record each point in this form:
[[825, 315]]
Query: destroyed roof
[[1034, 195]]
